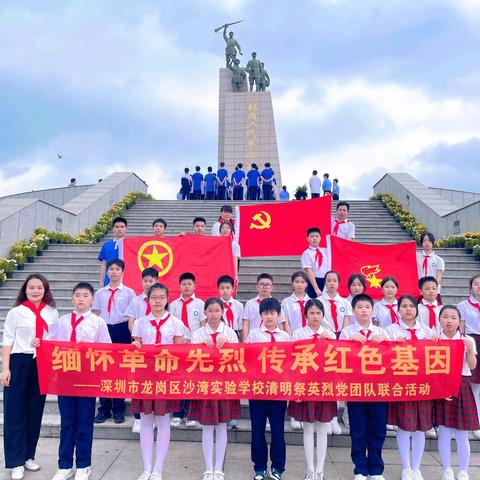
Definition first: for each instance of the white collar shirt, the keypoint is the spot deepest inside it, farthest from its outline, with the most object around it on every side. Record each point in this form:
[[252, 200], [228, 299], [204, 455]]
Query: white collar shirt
[[401, 329], [356, 329], [143, 328], [434, 264], [260, 335], [343, 309], [19, 328], [92, 329], [291, 308], [424, 314], [195, 313], [381, 313], [137, 307], [308, 261], [237, 310], [121, 300], [223, 331], [251, 313], [466, 372], [345, 230], [470, 315], [306, 333]]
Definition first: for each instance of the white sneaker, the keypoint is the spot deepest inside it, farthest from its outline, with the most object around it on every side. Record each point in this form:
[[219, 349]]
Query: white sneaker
[[63, 474], [319, 476], [32, 465], [175, 422], [295, 424], [18, 473], [417, 475], [431, 433], [218, 476], [84, 473], [391, 428], [208, 475], [336, 429], [329, 428], [376, 477], [448, 474], [136, 425], [310, 476], [359, 476], [462, 475], [407, 474], [476, 434], [191, 423], [144, 476], [156, 476], [345, 420]]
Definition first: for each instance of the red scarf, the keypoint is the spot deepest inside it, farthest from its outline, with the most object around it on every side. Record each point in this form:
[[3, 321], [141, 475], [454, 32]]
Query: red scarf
[[318, 257], [158, 325], [425, 264], [393, 314], [301, 304], [272, 336], [111, 299], [214, 337], [333, 310], [337, 224], [40, 324], [413, 335], [366, 333], [229, 313], [474, 305], [148, 310], [432, 318], [74, 321], [185, 311]]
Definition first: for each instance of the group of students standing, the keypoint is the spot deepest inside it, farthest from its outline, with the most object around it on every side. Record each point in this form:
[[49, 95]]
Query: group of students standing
[[314, 310], [260, 185]]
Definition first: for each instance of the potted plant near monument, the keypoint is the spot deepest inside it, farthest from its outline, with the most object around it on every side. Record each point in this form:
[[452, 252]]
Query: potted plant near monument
[[301, 193]]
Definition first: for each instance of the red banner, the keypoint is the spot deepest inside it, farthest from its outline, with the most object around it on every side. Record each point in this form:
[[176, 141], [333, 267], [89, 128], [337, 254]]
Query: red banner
[[326, 370], [375, 262], [272, 229], [206, 257]]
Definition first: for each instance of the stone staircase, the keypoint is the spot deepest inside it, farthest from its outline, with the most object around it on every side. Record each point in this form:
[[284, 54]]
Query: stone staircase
[[65, 265]]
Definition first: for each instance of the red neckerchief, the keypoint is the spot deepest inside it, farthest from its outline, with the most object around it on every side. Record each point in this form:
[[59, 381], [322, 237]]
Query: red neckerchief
[[158, 325], [40, 324], [74, 321]]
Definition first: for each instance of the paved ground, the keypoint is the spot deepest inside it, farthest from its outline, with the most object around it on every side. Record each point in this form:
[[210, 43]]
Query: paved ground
[[120, 460]]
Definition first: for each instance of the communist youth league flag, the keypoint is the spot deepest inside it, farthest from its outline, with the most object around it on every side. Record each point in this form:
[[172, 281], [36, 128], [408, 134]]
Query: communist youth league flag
[[206, 257], [272, 229], [375, 262]]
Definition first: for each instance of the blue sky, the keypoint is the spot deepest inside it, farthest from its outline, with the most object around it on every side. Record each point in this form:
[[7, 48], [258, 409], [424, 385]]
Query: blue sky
[[359, 88]]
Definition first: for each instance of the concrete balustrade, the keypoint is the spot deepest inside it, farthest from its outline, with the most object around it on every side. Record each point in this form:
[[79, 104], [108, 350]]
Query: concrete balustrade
[[19, 217]]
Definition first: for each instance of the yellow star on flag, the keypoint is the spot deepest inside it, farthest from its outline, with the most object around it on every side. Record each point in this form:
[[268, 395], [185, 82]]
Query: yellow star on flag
[[375, 282], [155, 258]]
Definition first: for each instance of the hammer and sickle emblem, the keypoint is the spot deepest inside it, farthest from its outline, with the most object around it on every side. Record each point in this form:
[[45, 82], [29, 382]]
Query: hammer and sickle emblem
[[261, 220]]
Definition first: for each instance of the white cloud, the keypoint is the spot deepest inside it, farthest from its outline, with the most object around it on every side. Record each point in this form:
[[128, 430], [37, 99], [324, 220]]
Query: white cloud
[[470, 9], [35, 176]]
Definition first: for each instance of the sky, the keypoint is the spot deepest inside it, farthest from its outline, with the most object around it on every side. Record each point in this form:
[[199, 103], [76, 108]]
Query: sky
[[359, 88]]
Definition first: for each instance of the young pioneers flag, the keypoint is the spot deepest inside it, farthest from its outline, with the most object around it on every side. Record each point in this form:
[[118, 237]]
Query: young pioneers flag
[[375, 262], [276, 229], [206, 257]]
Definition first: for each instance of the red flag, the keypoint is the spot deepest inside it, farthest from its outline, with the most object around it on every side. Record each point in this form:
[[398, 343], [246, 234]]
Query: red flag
[[375, 262], [272, 229], [206, 257]]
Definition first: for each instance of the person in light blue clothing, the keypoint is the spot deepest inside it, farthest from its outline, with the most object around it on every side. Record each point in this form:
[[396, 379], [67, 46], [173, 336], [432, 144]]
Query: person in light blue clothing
[[222, 181], [253, 176], [284, 195], [335, 189], [238, 180], [210, 184], [197, 179], [268, 178], [326, 184]]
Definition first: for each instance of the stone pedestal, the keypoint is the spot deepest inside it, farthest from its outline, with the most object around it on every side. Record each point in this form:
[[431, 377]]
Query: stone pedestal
[[246, 128]]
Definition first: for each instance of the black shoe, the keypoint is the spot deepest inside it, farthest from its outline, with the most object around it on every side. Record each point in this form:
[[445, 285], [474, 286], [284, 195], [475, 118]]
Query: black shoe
[[119, 418], [101, 417]]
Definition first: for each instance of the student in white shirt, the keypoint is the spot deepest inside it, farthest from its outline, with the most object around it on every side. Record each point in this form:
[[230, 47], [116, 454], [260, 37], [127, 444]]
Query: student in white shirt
[[315, 415], [470, 325], [251, 314], [226, 215], [140, 306], [456, 416], [77, 413], [111, 303], [273, 410], [385, 312], [315, 184], [413, 418], [233, 309], [315, 261], [227, 230], [214, 415], [428, 306], [26, 324], [293, 307], [341, 226], [158, 328], [356, 285], [429, 264], [190, 310]]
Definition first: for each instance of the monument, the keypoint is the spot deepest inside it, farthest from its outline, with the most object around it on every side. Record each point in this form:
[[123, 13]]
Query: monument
[[246, 125]]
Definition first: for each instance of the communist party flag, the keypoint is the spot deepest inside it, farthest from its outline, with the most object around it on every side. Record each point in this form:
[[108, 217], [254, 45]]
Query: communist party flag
[[206, 257], [375, 262], [273, 229]]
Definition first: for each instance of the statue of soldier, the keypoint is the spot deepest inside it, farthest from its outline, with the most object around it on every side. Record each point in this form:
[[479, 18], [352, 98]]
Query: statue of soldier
[[231, 48], [239, 76], [264, 79], [254, 70]]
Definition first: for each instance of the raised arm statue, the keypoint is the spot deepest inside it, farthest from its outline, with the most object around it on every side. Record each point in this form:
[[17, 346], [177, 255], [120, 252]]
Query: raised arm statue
[[232, 46]]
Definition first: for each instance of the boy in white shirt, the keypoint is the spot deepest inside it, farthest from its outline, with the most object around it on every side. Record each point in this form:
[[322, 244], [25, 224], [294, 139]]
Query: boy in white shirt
[[271, 410], [233, 309], [77, 413], [315, 262], [111, 303], [428, 306]]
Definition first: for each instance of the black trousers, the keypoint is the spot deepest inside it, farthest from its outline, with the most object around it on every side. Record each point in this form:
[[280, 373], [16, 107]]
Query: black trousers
[[237, 193], [252, 193], [22, 410], [221, 192], [119, 333]]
